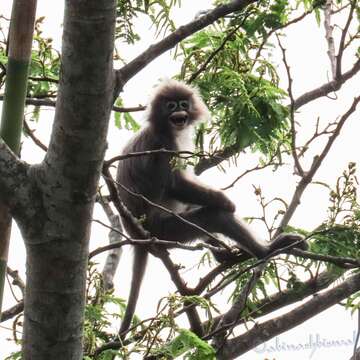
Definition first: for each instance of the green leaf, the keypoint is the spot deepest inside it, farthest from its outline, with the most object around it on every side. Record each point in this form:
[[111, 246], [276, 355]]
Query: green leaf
[[189, 343]]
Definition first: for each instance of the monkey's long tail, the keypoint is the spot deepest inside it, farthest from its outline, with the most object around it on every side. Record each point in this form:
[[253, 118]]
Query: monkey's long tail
[[138, 271]]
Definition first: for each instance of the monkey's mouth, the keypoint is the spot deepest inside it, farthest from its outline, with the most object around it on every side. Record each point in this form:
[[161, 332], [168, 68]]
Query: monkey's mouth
[[179, 123], [179, 119]]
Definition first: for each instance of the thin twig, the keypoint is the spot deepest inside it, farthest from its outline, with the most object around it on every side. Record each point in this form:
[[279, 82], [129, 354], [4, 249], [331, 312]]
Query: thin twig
[[30, 133], [298, 167], [342, 40], [308, 176]]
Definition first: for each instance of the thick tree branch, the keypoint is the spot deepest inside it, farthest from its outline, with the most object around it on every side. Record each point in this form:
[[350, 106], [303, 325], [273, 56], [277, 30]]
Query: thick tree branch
[[267, 330], [217, 158], [327, 88], [286, 297], [12, 312], [14, 181], [136, 65]]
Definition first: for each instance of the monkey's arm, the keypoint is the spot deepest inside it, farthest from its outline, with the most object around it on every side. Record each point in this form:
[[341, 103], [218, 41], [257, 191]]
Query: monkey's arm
[[188, 191]]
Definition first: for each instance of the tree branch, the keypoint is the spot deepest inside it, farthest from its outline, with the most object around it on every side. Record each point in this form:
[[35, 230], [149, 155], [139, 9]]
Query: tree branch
[[267, 330], [13, 311], [342, 40], [114, 255], [307, 178], [329, 36], [124, 74], [327, 88], [191, 312], [14, 182], [52, 103], [295, 156], [286, 297]]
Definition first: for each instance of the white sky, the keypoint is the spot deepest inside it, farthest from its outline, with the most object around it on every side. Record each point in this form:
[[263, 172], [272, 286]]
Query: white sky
[[310, 68]]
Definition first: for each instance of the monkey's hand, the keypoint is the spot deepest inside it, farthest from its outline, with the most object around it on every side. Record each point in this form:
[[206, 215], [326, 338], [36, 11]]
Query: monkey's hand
[[221, 201]]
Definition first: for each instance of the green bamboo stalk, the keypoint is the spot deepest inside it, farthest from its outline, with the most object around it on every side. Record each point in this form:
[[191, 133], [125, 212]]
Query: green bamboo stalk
[[20, 42]]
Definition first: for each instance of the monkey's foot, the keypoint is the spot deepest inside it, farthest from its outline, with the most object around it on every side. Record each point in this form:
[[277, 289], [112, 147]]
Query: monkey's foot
[[287, 239]]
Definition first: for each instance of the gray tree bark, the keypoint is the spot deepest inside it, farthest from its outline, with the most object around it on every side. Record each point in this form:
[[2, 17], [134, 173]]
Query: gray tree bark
[[59, 193]]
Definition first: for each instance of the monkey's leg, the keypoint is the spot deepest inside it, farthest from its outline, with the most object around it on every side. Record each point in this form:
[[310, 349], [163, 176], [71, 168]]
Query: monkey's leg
[[213, 220], [218, 221]]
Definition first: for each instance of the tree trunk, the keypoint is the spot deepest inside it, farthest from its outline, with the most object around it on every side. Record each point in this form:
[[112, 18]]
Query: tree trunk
[[57, 233], [20, 42]]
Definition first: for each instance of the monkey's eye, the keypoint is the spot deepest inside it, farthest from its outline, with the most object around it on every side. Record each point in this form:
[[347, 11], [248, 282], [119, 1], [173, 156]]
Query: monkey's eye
[[184, 104], [171, 105]]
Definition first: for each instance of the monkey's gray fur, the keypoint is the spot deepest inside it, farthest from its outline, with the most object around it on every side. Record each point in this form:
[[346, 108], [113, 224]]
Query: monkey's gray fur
[[173, 110]]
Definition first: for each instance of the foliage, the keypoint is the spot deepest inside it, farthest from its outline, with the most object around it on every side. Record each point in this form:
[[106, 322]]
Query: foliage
[[99, 323], [124, 119], [127, 11], [244, 97], [189, 345], [339, 235], [45, 65]]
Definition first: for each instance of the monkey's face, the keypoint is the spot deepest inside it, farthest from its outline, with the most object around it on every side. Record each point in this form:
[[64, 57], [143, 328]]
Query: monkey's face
[[177, 113], [175, 106]]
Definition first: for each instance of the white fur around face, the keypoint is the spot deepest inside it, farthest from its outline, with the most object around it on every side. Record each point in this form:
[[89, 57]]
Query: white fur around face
[[185, 139], [185, 142]]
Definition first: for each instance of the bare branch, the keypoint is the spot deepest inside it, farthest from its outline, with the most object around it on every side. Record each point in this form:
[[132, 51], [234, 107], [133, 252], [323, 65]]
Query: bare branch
[[179, 154], [52, 103], [149, 241], [298, 166], [329, 36], [307, 178], [342, 40], [114, 255], [343, 262], [327, 88], [17, 281], [12, 312], [30, 133], [356, 356], [191, 312], [255, 168]]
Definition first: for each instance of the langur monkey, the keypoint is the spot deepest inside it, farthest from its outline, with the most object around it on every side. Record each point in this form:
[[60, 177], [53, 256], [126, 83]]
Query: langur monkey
[[173, 111]]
